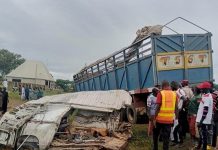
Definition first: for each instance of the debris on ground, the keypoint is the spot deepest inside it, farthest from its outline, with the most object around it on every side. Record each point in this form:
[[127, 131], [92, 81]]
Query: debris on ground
[[83, 120], [92, 138]]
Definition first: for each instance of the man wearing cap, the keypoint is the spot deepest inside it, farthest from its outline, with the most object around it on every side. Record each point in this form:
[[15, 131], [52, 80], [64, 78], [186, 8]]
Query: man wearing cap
[[204, 116]]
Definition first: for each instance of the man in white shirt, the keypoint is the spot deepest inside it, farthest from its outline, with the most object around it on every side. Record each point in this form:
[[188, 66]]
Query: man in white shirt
[[189, 94], [182, 97], [179, 127], [5, 83], [23, 93], [188, 91], [204, 116]]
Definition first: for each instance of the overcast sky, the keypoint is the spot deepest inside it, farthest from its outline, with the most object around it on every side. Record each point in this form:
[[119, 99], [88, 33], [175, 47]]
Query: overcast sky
[[67, 34]]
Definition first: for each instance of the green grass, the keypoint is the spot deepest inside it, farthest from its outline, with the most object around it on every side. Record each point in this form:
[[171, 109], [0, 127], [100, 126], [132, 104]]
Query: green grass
[[140, 139], [14, 95], [14, 100]]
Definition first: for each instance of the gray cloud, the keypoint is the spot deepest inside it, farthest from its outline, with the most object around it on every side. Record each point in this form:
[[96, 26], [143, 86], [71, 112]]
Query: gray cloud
[[67, 34]]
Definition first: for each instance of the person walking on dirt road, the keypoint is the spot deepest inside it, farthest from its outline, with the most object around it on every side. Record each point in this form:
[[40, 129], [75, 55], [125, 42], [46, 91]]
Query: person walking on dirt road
[[165, 114]]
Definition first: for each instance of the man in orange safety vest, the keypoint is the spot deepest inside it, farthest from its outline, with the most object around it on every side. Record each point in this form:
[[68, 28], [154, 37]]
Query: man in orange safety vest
[[165, 114]]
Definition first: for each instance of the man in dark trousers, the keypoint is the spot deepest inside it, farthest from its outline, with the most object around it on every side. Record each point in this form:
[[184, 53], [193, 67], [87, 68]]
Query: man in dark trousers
[[204, 117], [178, 130], [1, 96], [4, 100], [165, 114], [27, 92]]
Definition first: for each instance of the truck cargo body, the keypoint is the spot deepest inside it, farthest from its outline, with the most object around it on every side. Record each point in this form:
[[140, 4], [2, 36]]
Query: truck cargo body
[[157, 58], [148, 62]]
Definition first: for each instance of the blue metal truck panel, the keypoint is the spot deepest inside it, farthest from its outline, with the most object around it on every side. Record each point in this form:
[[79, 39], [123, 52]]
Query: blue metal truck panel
[[168, 43], [199, 42], [149, 62]]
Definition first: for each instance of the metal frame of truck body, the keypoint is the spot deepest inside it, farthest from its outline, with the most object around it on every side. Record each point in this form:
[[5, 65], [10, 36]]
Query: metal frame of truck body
[[140, 72]]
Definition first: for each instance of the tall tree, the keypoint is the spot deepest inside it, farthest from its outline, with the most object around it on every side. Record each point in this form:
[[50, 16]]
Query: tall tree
[[66, 85], [9, 61]]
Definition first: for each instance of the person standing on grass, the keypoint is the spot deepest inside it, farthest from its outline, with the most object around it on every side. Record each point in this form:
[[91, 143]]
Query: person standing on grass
[[189, 94], [178, 124], [20, 90], [4, 100], [214, 94], [192, 113], [23, 93], [5, 84], [1, 98], [40, 93], [27, 92], [188, 91], [215, 118], [165, 114], [204, 117], [151, 108]]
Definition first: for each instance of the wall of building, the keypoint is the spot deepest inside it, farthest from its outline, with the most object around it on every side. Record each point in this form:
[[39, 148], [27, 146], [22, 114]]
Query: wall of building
[[15, 82]]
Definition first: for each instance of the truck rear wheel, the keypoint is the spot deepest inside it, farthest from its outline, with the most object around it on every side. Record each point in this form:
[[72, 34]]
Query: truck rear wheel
[[131, 114]]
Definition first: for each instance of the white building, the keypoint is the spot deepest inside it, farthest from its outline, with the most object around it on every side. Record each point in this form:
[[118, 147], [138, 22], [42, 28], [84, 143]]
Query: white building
[[32, 73]]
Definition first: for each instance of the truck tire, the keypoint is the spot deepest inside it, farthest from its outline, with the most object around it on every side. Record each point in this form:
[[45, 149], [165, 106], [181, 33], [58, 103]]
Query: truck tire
[[131, 114]]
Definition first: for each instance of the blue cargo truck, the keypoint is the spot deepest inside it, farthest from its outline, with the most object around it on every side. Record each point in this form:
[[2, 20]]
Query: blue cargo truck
[[147, 62]]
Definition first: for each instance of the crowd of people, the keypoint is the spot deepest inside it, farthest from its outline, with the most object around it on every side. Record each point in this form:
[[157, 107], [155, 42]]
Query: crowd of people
[[26, 92], [176, 109], [3, 100]]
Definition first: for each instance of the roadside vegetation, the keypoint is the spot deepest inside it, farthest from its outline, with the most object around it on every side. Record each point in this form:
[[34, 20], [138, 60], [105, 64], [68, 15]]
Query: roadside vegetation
[[140, 139], [15, 100]]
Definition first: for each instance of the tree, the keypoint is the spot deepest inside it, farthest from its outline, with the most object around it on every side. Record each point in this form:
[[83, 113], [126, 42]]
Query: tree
[[66, 85], [216, 86], [9, 61]]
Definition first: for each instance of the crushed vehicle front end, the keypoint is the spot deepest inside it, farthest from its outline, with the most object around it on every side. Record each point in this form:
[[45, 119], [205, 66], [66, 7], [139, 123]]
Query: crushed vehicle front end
[[82, 120]]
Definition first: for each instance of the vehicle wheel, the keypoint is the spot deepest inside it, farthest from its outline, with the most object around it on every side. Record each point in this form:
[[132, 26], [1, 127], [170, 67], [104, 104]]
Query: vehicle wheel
[[131, 114], [29, 146]]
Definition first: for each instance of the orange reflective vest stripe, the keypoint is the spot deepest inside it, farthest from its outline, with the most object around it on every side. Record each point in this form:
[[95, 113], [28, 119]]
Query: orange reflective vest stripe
[[167, 110]]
